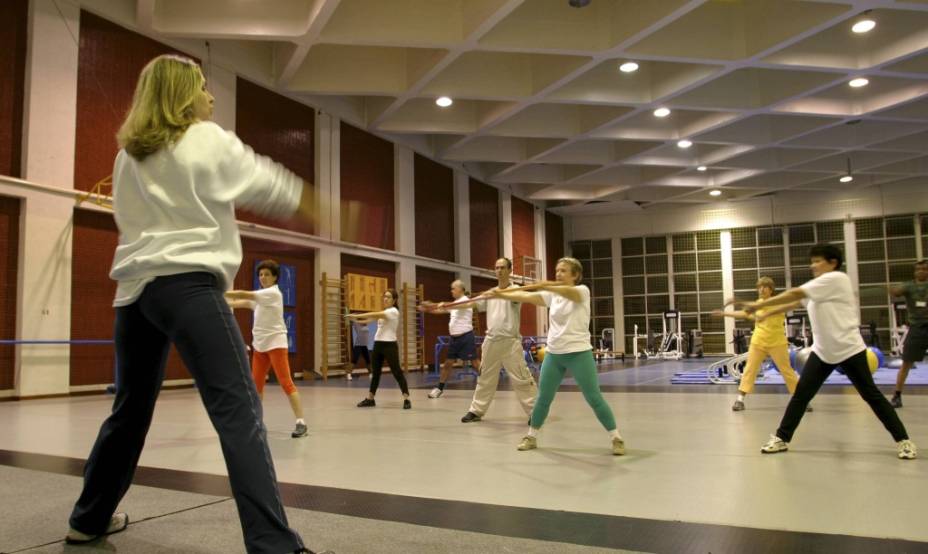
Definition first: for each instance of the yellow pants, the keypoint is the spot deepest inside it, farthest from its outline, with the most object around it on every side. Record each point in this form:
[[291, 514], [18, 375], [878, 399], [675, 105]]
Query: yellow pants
[[756, 356]]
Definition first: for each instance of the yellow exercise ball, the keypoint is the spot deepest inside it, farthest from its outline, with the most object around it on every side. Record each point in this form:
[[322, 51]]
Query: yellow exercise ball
[[540, 353], [873, 361]]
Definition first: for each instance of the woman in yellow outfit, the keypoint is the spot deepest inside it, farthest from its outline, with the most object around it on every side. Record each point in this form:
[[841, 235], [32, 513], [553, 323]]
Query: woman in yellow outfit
[[768, 339]]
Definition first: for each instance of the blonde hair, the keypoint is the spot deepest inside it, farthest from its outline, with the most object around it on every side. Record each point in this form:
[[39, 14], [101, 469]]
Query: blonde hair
[[575, 267], [766, 282], [162, 106]]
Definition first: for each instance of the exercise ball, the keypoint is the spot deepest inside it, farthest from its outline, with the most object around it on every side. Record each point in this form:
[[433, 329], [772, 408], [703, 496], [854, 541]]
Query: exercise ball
[[798, 357], [880, 358], [540, 353], [874, 360]]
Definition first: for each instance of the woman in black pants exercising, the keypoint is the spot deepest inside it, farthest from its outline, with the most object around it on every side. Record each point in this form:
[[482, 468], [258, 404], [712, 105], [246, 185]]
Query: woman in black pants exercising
[[385, 348]]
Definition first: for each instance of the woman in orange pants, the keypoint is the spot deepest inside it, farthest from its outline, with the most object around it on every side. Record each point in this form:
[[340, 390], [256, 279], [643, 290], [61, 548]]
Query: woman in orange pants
[[269, 333], [768, 339]]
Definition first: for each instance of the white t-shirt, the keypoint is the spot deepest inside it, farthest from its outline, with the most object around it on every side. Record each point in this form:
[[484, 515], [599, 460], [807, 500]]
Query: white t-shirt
[[268, 330], [834, 317], [461, 320], [175, 210], [568, 322], [503, 317], [386, 326]]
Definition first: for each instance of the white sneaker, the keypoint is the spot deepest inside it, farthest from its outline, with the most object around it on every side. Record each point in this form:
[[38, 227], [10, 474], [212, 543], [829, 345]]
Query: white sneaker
[[349, 377], [436, 392], [774, 445], [907, 450], [118, 522]]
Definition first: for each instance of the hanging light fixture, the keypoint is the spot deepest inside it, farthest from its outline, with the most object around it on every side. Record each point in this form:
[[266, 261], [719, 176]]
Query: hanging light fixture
[[847, 177]]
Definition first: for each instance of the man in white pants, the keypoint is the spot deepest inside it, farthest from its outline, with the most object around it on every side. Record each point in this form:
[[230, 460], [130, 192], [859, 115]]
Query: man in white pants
[[502, 348]]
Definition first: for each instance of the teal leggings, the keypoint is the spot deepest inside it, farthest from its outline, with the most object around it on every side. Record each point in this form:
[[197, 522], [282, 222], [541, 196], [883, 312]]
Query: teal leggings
[[583, 368]]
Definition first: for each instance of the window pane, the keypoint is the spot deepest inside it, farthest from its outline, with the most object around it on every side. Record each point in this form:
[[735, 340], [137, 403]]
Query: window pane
[[684, 243], [655, 245], [580, 249], [869, 228], [684, 262], [632, 246], [602, 248], [744, 259], [632, 285], [633, 266], [656, 263], [657, 283]]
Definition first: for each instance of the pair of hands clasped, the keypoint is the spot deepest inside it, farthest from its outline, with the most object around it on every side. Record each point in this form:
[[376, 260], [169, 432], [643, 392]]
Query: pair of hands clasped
[[495, 292], [748, 308]]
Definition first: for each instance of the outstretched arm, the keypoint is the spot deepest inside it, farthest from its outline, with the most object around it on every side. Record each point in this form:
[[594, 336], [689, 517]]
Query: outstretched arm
[[788, 297], [240, 295], [520, 296], [738, 314], [366, 317], [781, 309]]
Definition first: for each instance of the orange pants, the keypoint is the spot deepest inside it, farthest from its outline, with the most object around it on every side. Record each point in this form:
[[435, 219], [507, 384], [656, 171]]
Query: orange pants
[[278, 358], [756, 356]]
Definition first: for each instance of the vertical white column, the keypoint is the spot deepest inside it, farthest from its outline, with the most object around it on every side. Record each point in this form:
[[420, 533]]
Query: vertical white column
[[50, 107], [541, 250], [43, 294], [462, 218], [404, 187], [728, 288], [43, 304], [850, 257], [618, 293], [326, 148], [222, 85], [505, 223]]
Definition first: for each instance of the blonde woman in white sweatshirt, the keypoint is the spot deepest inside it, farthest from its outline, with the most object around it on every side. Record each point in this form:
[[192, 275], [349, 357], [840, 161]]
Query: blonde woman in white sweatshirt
[[177, 181]]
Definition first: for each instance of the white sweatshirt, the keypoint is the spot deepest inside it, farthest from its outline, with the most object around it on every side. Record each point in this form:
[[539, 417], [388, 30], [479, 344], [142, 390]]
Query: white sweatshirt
[[176, 209]]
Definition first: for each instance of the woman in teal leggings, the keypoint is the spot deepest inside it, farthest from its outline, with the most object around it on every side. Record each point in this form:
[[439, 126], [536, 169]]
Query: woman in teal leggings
[[568, 347]]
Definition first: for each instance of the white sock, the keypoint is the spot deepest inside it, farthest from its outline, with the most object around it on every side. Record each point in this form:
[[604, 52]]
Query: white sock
[[300, 420], [614, 434], [532, 432], [740, 397]]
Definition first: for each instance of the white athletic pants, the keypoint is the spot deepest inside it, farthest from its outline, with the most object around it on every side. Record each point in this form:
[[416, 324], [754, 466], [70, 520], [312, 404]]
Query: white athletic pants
[[498, 354]]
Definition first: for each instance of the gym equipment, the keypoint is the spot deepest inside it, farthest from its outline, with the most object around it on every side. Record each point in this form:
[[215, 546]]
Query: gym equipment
[[742, 340], [899, 328], [798, 332], [875, 360], [694, 343], [670, 346]]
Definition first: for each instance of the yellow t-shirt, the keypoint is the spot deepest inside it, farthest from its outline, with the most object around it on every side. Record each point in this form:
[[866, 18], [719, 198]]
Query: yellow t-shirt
[[769, 332]]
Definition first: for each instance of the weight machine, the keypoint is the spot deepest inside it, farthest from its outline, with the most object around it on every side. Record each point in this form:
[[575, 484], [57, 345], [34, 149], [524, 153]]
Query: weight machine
[[670, 346], [899, 327]]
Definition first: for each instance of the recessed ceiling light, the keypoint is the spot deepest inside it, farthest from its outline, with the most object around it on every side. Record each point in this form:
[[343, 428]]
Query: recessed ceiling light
[[846, 179], [685, 143], [444, 101], [863, 26], [859, 82], [628, 67], [701, 168], [715, 192], [662, 112]]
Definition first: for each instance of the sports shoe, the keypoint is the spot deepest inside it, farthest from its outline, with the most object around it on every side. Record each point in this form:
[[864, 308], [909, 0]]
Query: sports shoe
[[118, 522], [809, 408], [528, 443], [407, 405], [299, 431], [469, 417], [738, 406], [367, 403], [774, 445], [349, 377], [618, 446], [907, 450], [896, 401], [435, 393]]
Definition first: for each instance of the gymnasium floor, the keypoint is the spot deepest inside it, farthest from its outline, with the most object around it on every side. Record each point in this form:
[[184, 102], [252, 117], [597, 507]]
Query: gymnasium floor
[[388, 480]]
